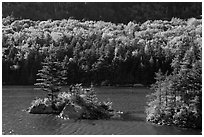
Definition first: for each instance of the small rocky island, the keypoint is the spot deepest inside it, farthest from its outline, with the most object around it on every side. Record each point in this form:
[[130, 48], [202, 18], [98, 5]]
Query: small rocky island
[[77, 103]]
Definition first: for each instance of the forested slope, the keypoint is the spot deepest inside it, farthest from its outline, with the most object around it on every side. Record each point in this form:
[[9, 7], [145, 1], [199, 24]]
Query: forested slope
[[99, 51]]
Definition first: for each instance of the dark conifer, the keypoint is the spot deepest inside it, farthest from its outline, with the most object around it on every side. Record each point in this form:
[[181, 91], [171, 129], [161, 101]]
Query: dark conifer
[[52, 75]]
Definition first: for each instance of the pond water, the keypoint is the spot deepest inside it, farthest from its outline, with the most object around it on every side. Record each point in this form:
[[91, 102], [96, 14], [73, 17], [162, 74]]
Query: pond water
[[15, 99]]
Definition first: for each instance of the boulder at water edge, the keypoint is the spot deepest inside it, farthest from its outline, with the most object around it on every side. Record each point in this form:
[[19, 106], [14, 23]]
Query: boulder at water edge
[[72, 111], [41, 109]]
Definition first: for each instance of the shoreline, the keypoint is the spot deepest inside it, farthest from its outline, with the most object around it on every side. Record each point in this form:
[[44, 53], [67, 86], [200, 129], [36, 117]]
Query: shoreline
[[85, 85]]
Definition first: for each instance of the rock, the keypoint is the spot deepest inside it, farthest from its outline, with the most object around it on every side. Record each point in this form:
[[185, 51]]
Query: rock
[[116, 116], [92, 111], [72, 111], [86, 111], [41, 109]]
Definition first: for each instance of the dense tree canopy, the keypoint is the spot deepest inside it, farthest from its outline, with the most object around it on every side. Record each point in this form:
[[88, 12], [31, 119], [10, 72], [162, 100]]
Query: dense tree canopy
[[178, 97], [96, 51]]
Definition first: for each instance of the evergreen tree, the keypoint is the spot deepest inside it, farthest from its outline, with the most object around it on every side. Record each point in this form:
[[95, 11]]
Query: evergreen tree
[[52, 75]]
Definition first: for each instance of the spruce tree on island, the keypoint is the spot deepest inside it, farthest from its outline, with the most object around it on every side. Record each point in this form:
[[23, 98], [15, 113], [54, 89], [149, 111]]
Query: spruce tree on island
[[52, 75]]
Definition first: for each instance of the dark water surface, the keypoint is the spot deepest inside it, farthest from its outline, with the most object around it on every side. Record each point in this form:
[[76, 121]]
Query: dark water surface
[[15, 99]]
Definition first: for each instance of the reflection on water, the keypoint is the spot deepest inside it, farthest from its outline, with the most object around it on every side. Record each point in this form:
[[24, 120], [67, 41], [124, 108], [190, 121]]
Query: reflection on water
[[131, 100]]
